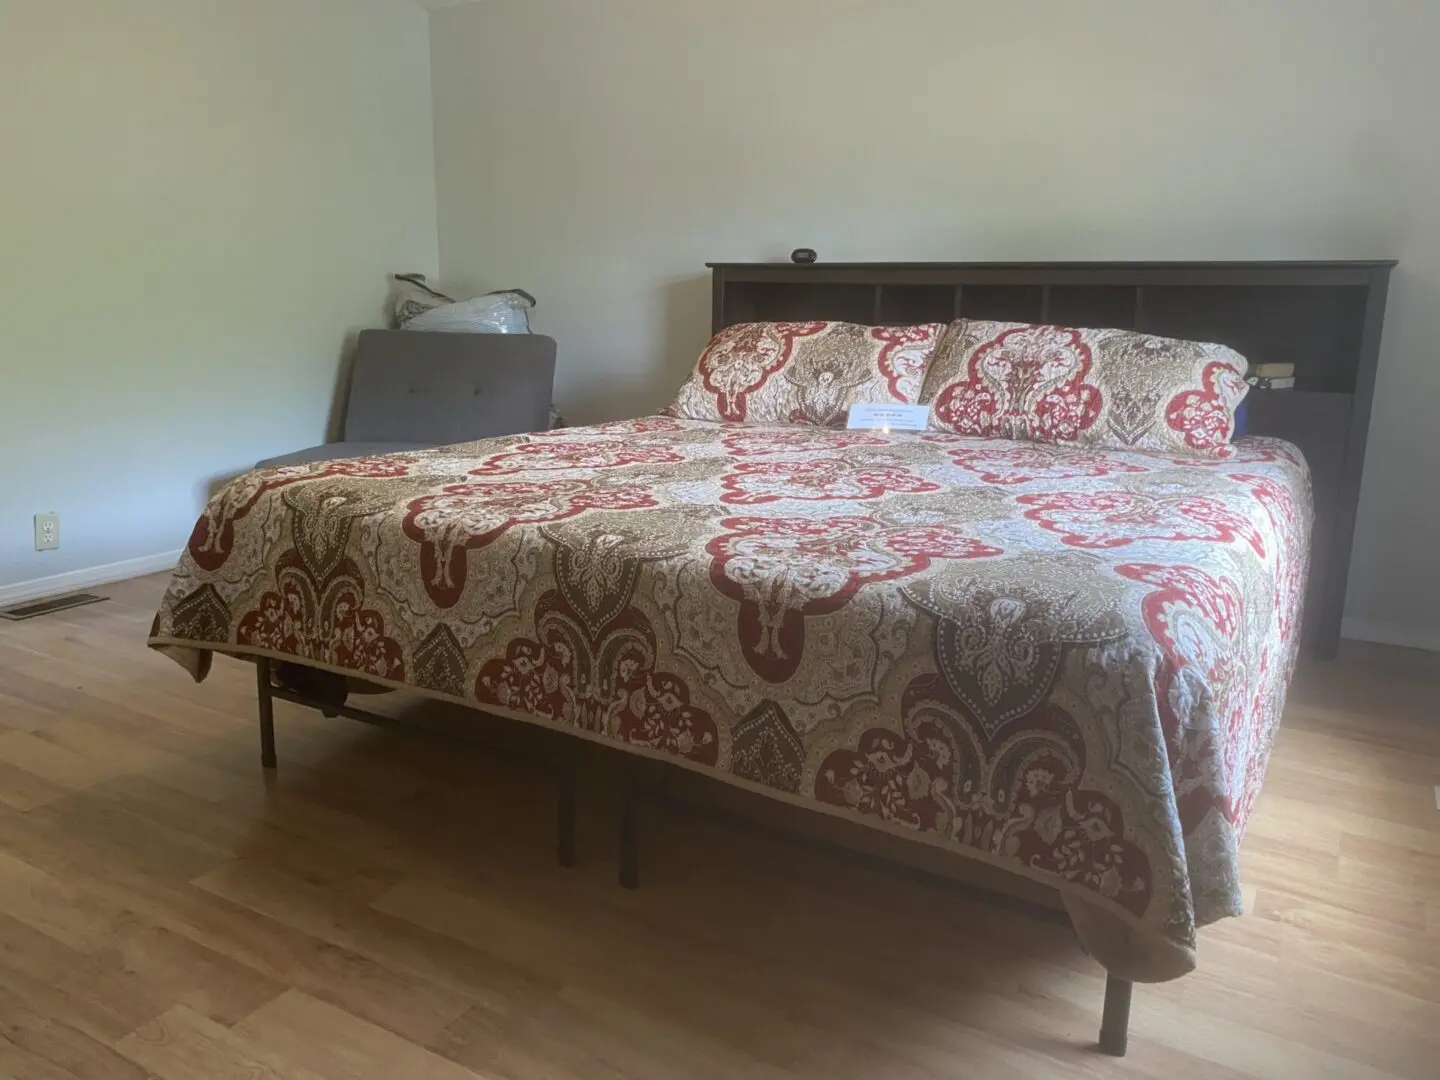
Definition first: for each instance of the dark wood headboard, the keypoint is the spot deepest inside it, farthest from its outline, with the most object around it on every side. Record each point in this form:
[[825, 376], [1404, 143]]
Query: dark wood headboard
[[1324, 317]]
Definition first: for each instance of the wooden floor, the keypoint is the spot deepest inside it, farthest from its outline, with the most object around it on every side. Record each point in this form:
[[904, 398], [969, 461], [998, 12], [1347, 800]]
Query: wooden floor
[[387, 908]]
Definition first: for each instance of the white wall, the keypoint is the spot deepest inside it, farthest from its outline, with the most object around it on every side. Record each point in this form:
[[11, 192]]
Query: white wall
[[198, 200], [599, 153]]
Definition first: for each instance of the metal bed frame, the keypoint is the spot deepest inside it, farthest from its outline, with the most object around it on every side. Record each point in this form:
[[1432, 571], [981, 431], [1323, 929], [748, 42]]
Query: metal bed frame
[[1115, 1021]]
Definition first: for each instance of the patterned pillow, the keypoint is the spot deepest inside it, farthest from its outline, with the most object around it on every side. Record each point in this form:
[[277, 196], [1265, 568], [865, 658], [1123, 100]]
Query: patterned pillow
[[1111, 388], [805, 372]]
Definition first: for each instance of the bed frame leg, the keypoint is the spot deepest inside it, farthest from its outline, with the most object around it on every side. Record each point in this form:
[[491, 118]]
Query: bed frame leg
[[1115, 1027], [267, 713], [565, 816], [629, 838]]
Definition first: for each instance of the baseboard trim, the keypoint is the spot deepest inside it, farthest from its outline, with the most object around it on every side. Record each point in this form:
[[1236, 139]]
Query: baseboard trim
[[108, 574], [1384, 633]]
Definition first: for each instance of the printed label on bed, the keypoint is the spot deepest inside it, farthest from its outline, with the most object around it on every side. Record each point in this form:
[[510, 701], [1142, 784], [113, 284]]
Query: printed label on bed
[[889, 417]]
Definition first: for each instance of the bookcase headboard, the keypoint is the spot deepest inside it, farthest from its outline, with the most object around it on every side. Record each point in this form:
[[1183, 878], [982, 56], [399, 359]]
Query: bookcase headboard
[[1324, 317]]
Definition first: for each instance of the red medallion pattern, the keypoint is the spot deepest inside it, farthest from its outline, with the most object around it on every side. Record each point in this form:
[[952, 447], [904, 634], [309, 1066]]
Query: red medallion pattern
[[1027, 382], [904, 356], [822, 479], [1114, 519], [1280, 503], [781, 570], [1205, 418], [325, 622], [740, 361], [1197, 620], [1105, 388], [462, 518], [768, 441], [805, 373], [606, 685], [1011, 464], [1066, 660], [213, 537], [1249, 452], [1019, 795], [555, 455]]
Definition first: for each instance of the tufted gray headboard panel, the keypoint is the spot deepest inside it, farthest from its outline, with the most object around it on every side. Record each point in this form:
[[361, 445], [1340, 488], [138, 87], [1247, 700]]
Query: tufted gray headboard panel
[[409, 386]]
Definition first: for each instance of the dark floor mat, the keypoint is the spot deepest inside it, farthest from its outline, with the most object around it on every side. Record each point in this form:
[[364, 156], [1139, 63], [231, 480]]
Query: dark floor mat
[[31, 608]]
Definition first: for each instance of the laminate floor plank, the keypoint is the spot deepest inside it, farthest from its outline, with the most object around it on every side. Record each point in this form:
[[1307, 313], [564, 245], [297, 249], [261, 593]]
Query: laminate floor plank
[[339, 1046], [183, 1045], [31, 1030], [389, 941]]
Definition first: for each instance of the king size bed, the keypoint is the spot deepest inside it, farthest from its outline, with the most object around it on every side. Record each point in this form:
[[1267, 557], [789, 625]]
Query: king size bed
[[1063, 658]]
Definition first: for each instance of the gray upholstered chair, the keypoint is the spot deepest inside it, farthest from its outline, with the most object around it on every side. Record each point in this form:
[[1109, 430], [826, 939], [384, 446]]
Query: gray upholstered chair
[[411, 390]]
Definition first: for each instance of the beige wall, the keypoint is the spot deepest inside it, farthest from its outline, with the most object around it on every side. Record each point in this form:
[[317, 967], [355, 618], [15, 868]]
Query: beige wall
[[600, 153], [198, 199]]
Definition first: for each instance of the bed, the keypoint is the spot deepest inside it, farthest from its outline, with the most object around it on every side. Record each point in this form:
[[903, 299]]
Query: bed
[[1068, 663]]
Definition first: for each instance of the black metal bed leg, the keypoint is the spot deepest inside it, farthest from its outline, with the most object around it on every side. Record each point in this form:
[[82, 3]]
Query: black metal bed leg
[[263, 689], [1115, 1027], [629, 836], [565, 812]]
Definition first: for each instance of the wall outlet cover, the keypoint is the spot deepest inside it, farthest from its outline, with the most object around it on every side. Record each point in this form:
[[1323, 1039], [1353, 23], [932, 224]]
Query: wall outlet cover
[[47, 532]]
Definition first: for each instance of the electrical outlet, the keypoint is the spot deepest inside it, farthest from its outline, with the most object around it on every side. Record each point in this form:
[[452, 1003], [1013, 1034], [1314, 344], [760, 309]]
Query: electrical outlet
[[47, 532]]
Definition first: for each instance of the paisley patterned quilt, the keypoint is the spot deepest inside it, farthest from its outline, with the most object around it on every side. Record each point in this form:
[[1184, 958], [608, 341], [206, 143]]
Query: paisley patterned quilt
[[1068, 663]]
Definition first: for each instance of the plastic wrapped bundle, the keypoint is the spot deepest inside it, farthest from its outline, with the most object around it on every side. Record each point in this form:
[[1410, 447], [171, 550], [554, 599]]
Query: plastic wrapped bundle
[[419, 307]]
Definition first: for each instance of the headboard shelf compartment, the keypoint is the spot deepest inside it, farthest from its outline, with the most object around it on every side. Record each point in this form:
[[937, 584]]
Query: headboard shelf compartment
[[1004, 302], [1324, 317], [916, 303]]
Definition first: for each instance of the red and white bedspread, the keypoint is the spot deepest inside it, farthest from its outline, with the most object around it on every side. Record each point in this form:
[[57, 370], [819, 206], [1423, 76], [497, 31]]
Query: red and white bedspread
[[1067, 663]]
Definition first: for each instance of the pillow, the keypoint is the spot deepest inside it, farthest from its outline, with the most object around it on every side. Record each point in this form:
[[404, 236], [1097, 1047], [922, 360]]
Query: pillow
[[805, 372], [1108, 388]]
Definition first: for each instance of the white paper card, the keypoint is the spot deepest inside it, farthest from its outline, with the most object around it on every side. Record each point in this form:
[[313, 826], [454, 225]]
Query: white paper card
[[889, 417]]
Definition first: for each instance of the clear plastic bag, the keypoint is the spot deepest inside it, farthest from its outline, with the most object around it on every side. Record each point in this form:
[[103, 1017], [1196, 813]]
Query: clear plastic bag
[[419, 307], [410, 296], [415, 305]]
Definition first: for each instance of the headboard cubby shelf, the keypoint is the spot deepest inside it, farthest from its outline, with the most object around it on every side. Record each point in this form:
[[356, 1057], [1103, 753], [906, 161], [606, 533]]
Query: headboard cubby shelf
[[1324, 317]]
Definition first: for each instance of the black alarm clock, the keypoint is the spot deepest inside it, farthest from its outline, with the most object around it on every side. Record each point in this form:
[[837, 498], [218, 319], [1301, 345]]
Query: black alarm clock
[[803, 256]]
